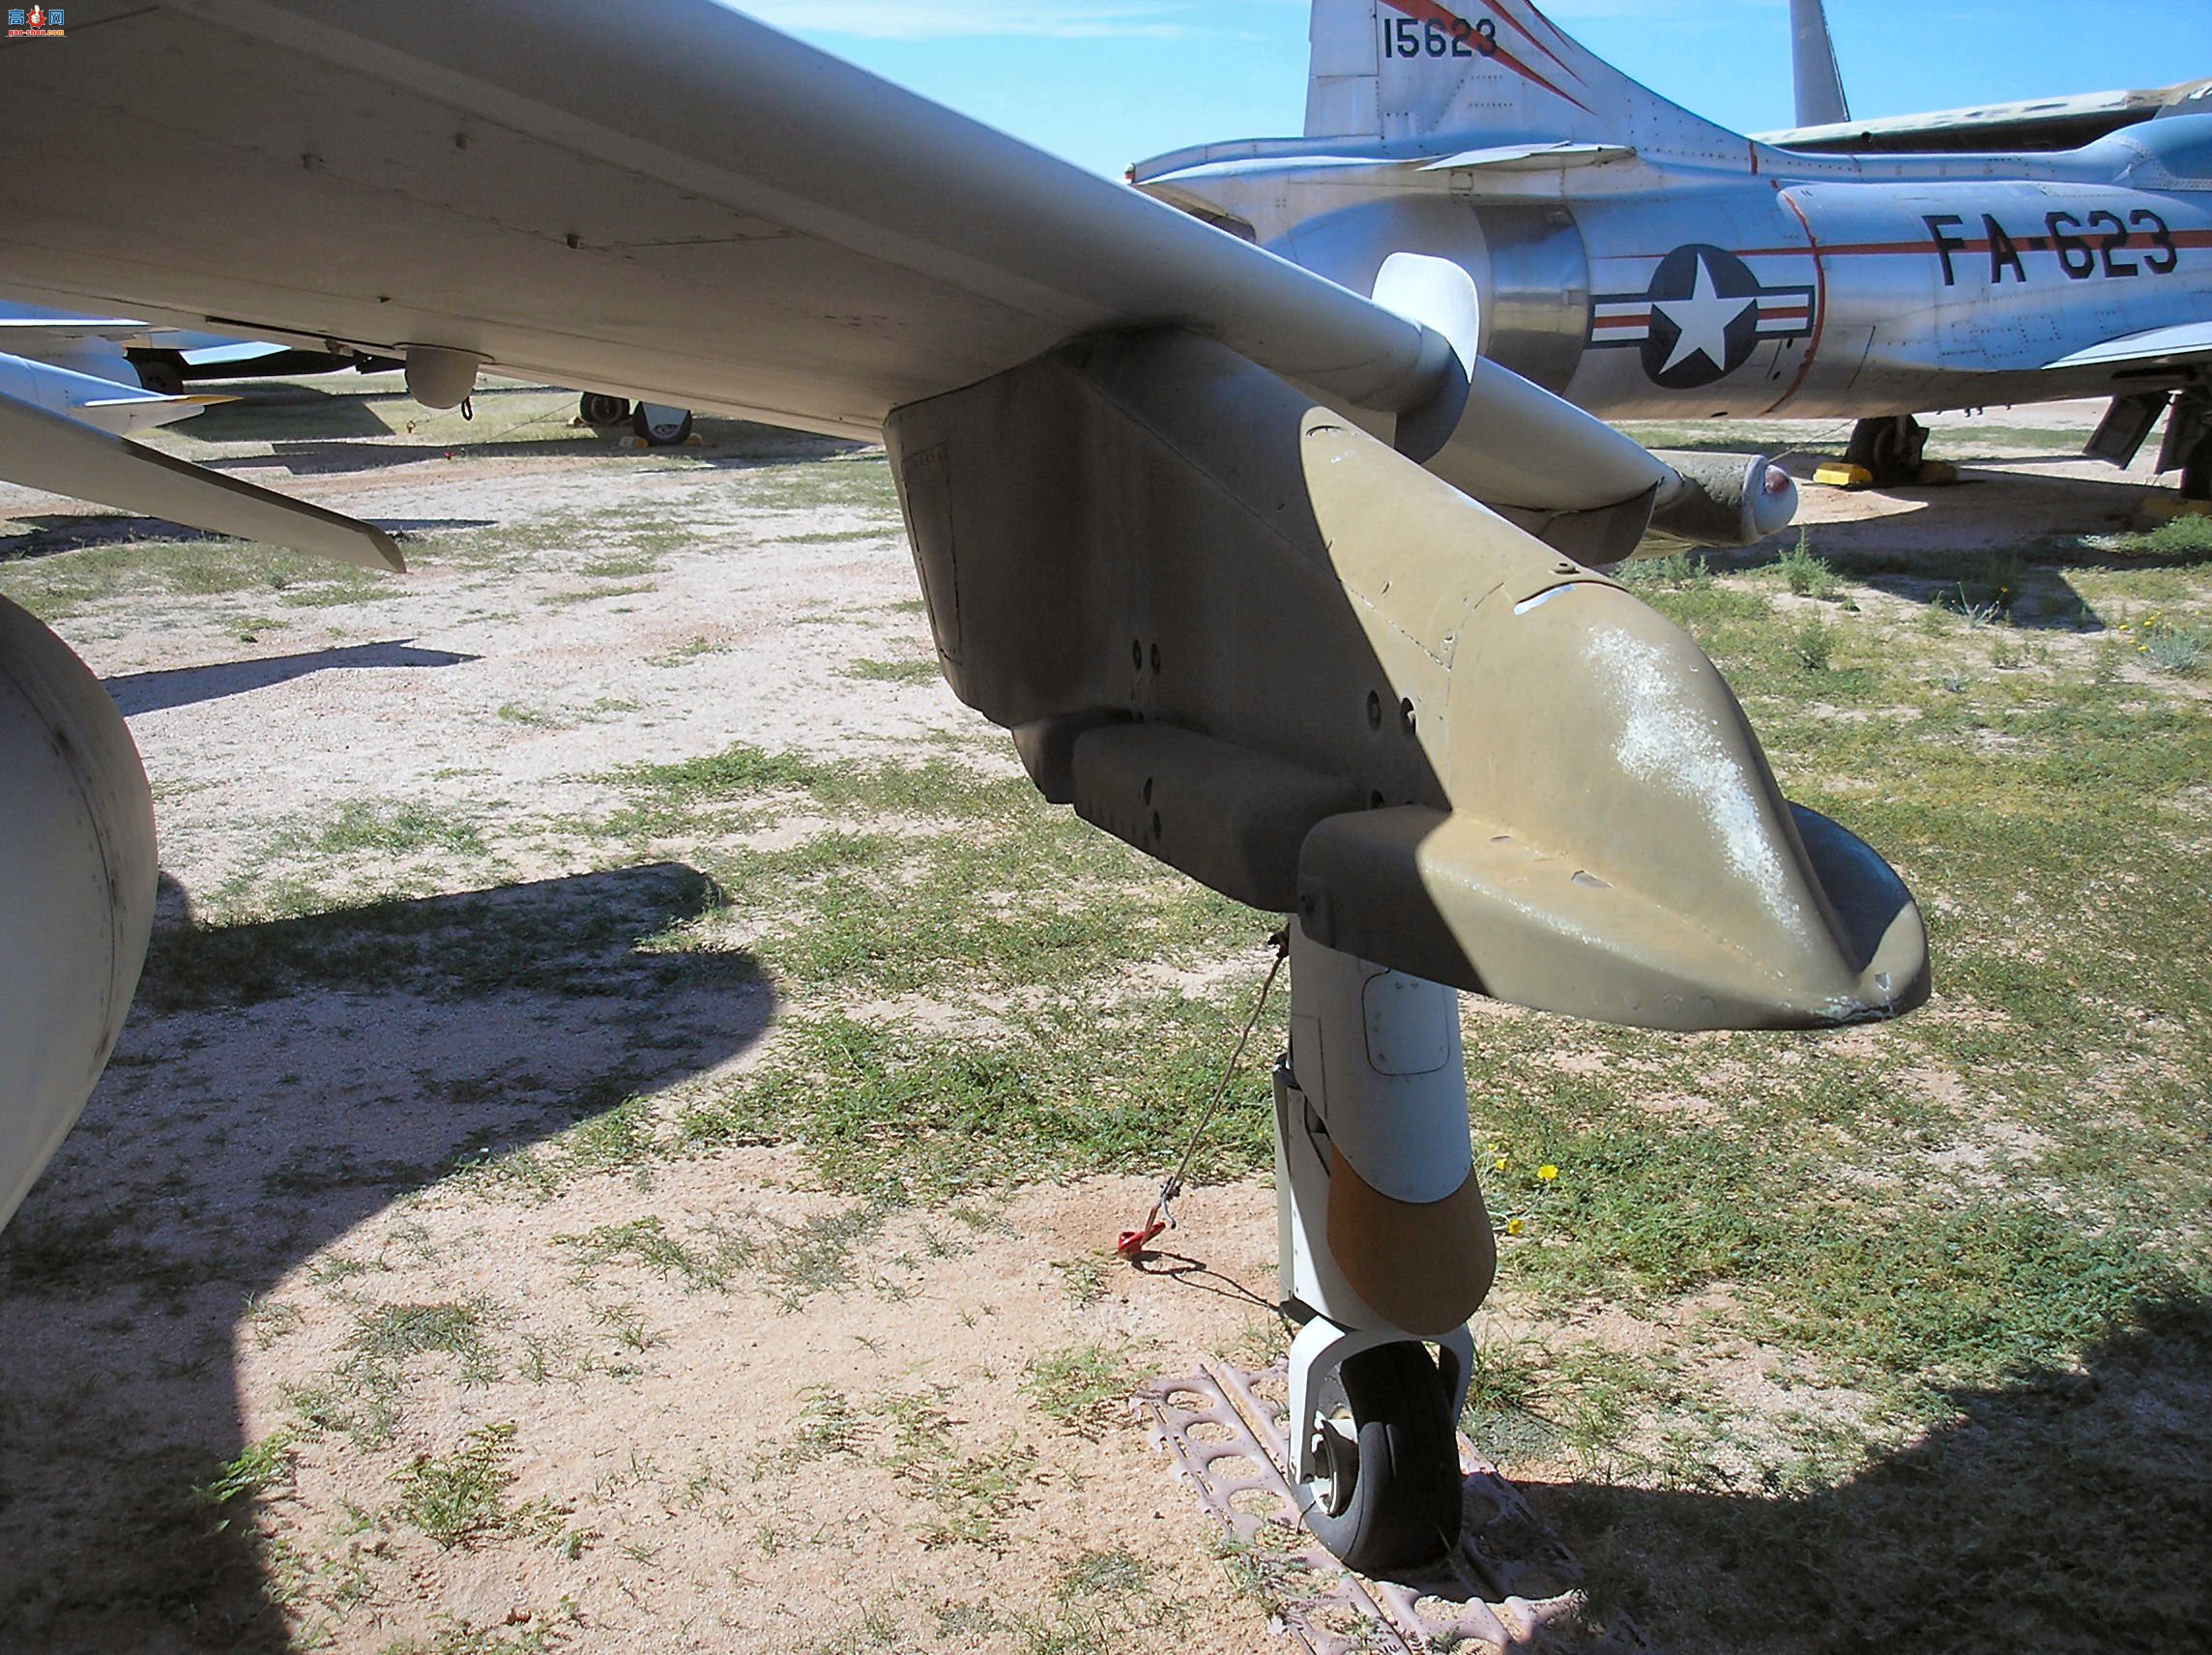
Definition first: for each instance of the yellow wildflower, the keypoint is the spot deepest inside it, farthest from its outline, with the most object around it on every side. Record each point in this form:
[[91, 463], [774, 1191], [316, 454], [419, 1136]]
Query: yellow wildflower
[[1514, 1226], [1547, 1172], [1498, 1164]]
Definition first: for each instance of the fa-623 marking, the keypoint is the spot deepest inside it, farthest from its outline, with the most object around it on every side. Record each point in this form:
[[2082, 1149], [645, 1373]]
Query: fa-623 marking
[[2086, 246], [1644, 263]]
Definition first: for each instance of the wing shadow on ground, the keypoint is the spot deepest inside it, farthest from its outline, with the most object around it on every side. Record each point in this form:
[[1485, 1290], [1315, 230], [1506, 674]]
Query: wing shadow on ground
[[187, 686], [2069, 1509], [278, 1085]]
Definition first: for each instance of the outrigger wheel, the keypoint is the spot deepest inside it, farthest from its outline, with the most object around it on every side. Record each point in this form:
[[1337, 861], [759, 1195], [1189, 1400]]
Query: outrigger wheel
[[1891, 448], [1386, 1489], [2196, 468]]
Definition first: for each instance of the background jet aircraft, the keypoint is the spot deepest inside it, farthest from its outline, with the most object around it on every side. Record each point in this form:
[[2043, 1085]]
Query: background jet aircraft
[[1212, 535], [76, 366], [1824, 118], [1644, 263], [98, 402]]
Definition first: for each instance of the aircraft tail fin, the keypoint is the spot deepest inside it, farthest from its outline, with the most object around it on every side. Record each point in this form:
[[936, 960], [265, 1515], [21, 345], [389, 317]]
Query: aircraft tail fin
[[1821, 100], [1411, 71]]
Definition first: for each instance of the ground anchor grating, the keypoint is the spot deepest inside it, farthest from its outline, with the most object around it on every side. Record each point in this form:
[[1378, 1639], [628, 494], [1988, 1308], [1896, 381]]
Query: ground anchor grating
[[1510, 1587]]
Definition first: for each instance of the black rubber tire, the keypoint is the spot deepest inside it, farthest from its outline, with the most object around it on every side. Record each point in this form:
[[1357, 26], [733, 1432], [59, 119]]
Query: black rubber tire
[[163, 372], [1402, 1508], [601, 411], [661, 436], [1891, 448], [2196, 472]]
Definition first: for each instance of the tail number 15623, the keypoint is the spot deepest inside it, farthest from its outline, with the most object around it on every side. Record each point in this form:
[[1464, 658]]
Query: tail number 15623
[[1452, 37]]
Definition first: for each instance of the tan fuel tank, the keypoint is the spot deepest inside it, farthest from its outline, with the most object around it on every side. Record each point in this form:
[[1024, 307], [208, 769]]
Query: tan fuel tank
[[1231, 629]]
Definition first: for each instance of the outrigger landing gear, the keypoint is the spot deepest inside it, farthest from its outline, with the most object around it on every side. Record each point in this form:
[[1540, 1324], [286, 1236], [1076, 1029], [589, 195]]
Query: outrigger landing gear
[[1891, 448], [1385, 1248]]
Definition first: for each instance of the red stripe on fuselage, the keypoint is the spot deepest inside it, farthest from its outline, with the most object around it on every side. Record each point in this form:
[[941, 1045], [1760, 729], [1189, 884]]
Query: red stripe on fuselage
[[1973, 245], [1428, 12]]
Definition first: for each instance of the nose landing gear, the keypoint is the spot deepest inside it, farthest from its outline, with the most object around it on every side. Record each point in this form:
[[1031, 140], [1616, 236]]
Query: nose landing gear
[[1385, 1248]]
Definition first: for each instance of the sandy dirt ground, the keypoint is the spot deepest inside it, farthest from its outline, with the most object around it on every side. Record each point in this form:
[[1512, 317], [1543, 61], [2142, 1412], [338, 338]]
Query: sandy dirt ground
[[695, 1405]]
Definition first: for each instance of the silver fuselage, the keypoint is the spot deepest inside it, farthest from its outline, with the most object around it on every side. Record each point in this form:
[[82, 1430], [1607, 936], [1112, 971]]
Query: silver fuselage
[[1759, 281]]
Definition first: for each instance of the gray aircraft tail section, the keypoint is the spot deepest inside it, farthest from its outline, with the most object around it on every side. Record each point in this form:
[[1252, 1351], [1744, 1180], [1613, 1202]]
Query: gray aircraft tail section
[[1821, 100], [1418, 73]]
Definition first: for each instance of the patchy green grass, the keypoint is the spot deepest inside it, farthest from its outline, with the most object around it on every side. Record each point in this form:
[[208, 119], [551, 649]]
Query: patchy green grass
[[1806, 574], [459, 1499], [366, 826], [58, 586], [1957, 1243], [1084, 1390], [399, 1332], [894, 671]]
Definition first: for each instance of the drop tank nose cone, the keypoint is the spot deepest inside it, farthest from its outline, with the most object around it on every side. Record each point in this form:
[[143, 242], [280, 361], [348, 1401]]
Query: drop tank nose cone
[[1613, 843], [1774, 506]]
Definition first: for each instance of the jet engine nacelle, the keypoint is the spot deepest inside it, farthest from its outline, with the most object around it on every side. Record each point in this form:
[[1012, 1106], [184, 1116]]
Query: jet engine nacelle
[[78, 875]]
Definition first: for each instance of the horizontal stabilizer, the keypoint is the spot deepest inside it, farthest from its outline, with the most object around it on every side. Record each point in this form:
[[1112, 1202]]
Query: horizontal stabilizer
[[1529, 158], [44, 451], [2190, 340], [157, 401], [37, 335]]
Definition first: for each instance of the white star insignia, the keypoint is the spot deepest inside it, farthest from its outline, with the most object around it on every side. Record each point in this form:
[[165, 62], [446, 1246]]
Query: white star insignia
[[1703, 320]]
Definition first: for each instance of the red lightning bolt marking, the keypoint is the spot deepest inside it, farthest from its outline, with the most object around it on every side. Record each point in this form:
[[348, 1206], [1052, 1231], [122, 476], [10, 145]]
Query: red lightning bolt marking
[[1428, 12], [1516, 24]]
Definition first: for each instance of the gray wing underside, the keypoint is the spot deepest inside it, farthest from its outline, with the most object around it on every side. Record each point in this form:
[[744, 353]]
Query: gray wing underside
[[669, 198]]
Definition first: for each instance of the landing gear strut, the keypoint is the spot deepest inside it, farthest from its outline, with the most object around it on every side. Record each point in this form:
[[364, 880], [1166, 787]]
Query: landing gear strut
[[1891, 448], [1385, 1245]]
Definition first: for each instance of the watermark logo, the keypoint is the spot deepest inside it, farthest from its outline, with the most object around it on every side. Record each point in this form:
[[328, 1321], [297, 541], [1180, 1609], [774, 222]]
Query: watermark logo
[[36, 24]]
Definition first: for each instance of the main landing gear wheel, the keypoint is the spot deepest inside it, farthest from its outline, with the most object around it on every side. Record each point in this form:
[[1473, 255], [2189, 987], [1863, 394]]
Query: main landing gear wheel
[[601, 411], [1386, 1496], [1891, 448], [163, 372], [2196, 470], [661, 425]]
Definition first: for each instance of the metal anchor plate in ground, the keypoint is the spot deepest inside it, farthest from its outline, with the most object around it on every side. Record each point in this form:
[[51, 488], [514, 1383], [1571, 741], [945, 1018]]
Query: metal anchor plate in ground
[[1510, 1587]]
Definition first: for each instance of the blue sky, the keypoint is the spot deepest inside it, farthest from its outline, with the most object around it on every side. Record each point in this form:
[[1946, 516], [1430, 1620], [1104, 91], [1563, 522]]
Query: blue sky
[[1106, 82]]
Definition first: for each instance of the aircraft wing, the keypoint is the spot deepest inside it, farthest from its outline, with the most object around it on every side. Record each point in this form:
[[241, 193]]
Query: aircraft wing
[[36, 336], [2160, 347], [2042, 124], [675, 200]]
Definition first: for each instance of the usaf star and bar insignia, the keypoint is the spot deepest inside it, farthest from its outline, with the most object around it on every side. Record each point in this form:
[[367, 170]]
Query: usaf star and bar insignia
[[1702, 318]]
